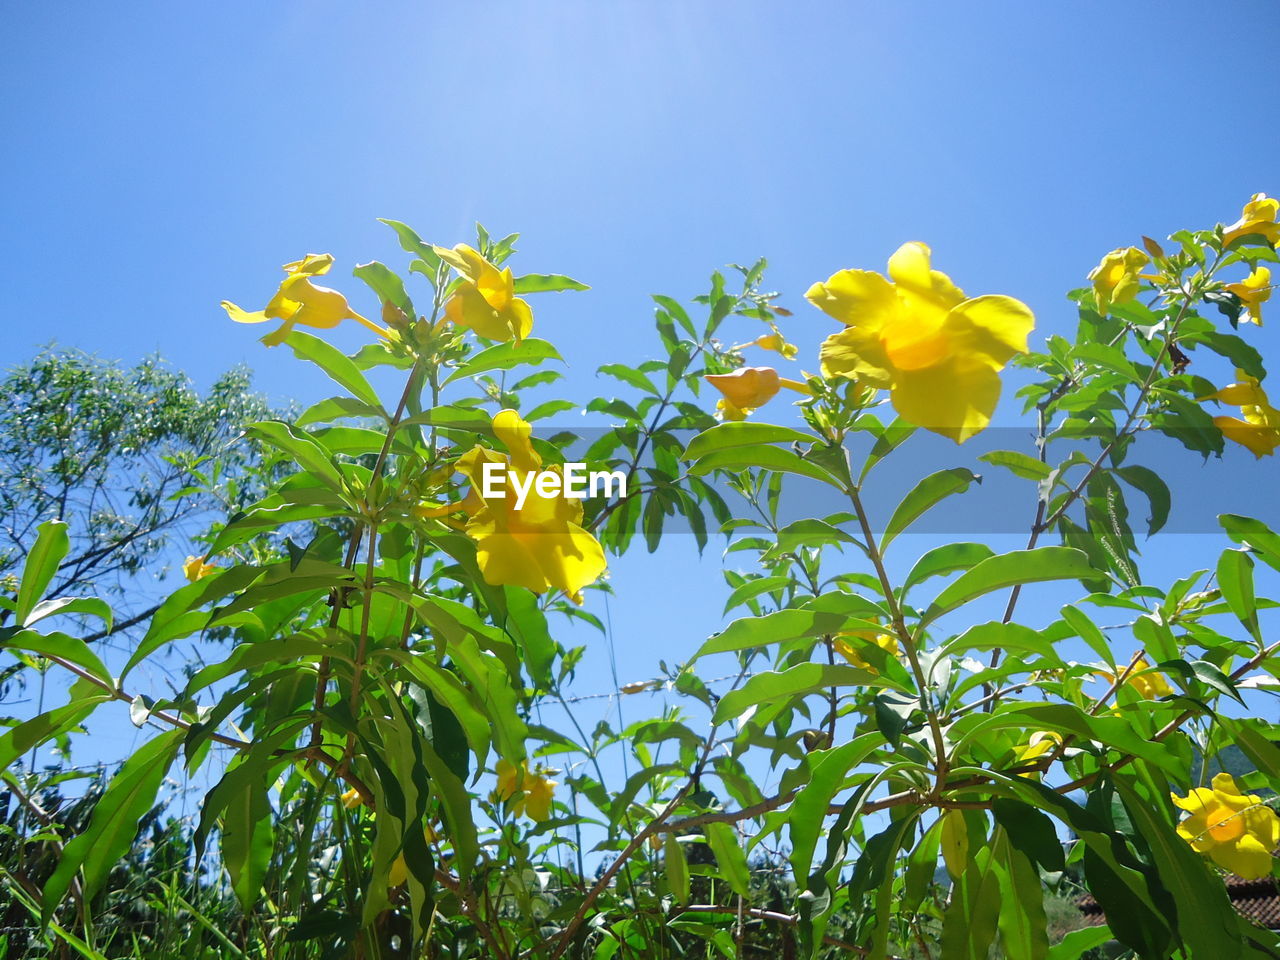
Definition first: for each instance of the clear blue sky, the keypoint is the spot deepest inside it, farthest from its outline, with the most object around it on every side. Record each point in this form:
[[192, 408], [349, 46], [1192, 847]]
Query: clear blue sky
[[160, 157]]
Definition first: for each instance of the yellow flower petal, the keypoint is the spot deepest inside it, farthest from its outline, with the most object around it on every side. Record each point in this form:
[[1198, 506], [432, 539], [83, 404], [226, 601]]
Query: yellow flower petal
[[1258, 217], [747, 387], [939, 353], [1116, 279]]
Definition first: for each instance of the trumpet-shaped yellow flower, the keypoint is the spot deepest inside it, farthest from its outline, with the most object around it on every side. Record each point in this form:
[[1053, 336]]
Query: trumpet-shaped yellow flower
[[1258, 217], [352, 799], [777, 343], [1259, 430], [885, 641], [532, 793], [1253, 291], [744, 390], [196, 569], [1149, 686], [485, 300], [1117, 278], [748, 388], [299, 301], [938, 353], [541, 545], [1238, 832]]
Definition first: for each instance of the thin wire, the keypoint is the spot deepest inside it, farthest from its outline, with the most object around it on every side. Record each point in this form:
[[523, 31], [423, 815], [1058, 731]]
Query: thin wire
[[613, 670]]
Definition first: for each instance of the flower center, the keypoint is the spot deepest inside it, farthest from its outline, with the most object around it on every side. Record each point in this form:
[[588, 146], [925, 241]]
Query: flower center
[[1225, 825], [914, 346]]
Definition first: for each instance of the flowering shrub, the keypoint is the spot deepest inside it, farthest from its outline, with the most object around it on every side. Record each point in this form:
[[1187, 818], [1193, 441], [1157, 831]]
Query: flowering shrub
[[884, 722]]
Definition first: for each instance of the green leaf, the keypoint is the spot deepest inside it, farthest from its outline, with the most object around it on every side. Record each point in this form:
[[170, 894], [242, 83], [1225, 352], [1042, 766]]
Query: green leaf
[[1089, 632], [1077, 943], [634, 378], [546, 283], [52, 544], [1233, 348], [68, 648], [1019, 464], [1031, 832], [336, 408], [730, 858], [91, 606], [945, 559], [1205, 919], [970, 922], [1253, 534], [928, 493], [384, 281], [828, 770], [410, 242], [336, 364], [995, 635], [247, 841], [1235, 578], [114, 822], [764, 457], [777, 686], [741, 433], [676, 867], [504, 356], [754, 588], [43, 727], [749, 632], [1008, 570], [1021, 918], [302, 449], [1156, 490]]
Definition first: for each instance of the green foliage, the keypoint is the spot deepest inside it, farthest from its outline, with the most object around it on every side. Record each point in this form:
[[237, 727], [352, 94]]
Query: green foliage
[[381, 732]]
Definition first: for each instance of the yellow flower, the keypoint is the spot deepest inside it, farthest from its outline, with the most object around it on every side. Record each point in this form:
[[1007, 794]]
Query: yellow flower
[[352, 799], [485, 300], [1116, 279], [1238, 832], [1041, 743], [1149, 686], [1258, 217], [299, 301], [938, 352], [885, 641], [748, 388], [196, 569], [1253, 291], [1260, 428], [531, 792], [541, 545], [777, 343]]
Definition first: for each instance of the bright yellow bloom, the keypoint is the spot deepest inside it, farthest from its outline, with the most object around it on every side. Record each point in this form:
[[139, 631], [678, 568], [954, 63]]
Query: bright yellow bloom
[[777, 343], [1238, 832], [540, 546], [531, 792], [747, 388], [1116, 279], [299, 301], [196, 569], [485, 300], [885, 641], [352, 799], [1041, 743], [938, 352], [1150, 686], [1258, 216], [1253, 291], [1260, 428]]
